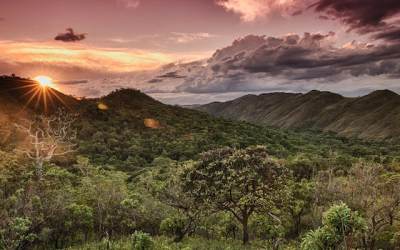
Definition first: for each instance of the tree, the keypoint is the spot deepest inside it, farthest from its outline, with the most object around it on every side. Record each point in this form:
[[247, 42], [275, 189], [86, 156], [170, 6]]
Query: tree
[[370, 189], [48, 137], [340, 224], [241, 182], [113, 210], [163, 181], [79, 219], [16, 234], [300, 204]]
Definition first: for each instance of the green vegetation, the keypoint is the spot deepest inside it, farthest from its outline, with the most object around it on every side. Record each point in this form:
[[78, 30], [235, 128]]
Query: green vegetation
[[339, 225], [185, 180], [239, 182], [163, 243]]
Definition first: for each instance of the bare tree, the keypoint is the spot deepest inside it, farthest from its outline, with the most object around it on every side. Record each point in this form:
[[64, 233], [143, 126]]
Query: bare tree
[[4, 133], [48, 137]]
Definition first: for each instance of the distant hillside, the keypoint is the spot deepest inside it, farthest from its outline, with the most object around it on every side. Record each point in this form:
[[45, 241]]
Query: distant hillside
[[129, 130], [374, 116]]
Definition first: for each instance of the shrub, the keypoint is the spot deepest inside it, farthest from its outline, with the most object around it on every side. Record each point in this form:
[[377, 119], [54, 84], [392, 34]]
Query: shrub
[[339, 224], [172, 226], [142, 241]]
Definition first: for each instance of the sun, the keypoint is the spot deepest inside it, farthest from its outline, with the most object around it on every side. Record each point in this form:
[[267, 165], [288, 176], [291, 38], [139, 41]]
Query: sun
[[44, 81], [43, 91]]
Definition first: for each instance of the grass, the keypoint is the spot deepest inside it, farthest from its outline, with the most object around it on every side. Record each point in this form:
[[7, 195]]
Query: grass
[[163, 243]]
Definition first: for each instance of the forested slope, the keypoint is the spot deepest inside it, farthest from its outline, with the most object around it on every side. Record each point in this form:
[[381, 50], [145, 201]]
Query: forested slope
[[374, 116], [125, 171]]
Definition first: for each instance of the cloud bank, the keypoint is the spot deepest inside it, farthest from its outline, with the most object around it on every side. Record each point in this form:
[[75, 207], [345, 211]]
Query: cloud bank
[[251, 64], [253, 60], [381, 19]]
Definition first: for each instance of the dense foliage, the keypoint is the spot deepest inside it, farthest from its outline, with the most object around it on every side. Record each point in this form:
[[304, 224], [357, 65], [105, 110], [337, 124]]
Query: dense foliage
[[339, 225], [149, 176], [240, 182]]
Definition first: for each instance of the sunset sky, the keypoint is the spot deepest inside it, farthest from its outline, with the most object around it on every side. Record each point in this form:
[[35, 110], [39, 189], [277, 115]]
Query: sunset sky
[[199, 51]]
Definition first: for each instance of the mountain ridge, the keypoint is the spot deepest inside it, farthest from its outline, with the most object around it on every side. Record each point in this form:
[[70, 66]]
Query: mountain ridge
[[373, 116]]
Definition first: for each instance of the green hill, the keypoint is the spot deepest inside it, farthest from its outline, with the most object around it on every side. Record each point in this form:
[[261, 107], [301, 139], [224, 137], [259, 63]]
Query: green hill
[[128, 129], [128, 179]]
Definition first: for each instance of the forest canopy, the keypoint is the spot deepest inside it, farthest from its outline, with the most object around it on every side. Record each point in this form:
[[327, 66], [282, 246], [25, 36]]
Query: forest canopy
[[106, 178]]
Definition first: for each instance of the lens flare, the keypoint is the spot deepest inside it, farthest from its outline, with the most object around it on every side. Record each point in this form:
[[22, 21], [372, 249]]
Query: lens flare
[[151, 123], [102, 106]]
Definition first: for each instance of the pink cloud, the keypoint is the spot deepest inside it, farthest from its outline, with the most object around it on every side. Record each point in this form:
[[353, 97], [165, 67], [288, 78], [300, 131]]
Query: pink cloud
[[129, 3], [250, 10]]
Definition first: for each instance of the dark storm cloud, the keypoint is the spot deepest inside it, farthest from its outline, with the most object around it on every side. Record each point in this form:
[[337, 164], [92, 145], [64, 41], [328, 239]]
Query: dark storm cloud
[[70, 36], [309, 58], [297, 13], [155, 80], [73, 82], [173, 74], [168, 75], [364, 16], [392, 34], [323, 17]]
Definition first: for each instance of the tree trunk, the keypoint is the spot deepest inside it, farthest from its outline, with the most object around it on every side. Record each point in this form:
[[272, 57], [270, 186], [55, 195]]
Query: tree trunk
[[179, 235], [372, 244], [245, 231], [39, 170], [298, 223]]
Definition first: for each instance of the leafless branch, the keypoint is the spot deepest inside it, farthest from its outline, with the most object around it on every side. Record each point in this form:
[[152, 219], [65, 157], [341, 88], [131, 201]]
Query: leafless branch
[[48, 137]]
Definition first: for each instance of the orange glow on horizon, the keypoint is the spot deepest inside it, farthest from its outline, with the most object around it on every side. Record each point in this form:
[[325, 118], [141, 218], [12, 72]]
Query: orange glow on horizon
[[115, 60]]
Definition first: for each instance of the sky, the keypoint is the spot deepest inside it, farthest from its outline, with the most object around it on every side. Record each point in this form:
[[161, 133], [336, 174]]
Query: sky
[[200, 51]]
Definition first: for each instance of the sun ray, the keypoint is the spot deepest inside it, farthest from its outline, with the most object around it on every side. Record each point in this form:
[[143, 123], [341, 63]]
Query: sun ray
[[26, 86], [54, 93], [50, 97], [29, 92], [31, 98], [44, 96]]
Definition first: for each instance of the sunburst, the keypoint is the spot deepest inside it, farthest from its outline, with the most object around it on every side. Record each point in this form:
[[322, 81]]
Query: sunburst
[[42, 93]]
